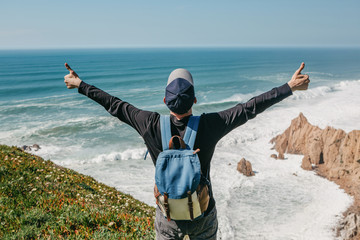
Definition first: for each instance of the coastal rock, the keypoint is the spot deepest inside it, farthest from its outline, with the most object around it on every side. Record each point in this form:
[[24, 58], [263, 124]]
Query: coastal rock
[[336, 150], [334, 154], [25, 148], [306, 163], [350, 226], [245, 167], [34, 147]]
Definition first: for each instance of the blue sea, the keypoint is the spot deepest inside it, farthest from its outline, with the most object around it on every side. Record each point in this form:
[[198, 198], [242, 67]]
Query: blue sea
[[281, 201]]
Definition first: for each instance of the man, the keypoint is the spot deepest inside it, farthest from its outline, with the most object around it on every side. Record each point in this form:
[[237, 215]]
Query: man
[[179, 97]]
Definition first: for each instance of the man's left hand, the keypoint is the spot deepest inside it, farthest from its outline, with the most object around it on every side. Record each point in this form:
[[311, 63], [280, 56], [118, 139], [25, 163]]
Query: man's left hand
[[299, 81]]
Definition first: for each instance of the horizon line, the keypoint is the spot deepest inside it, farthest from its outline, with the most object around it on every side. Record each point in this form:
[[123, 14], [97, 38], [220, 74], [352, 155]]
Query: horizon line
[[176, 47]]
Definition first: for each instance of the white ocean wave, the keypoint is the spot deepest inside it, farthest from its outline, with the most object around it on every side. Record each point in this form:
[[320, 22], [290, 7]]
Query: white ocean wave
[[128, 154]]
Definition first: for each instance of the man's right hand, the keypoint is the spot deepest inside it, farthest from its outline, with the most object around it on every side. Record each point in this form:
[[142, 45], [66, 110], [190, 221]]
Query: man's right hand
[[299, 81], [72, 80]]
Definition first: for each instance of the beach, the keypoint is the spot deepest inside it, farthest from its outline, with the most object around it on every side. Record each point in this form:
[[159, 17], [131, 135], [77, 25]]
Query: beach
[[282, 201]]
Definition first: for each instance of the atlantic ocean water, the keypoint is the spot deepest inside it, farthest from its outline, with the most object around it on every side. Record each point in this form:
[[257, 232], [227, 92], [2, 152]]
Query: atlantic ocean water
[[281, 201]]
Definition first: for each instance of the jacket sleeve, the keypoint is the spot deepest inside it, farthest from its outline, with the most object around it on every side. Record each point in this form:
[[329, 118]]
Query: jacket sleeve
[[127, 113], [227, 120]]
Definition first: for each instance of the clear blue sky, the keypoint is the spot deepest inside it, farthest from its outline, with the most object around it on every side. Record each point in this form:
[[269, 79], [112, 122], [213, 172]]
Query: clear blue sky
[[166, 23]]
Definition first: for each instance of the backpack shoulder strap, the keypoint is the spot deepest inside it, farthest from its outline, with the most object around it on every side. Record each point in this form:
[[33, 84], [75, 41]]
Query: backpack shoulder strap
[[165, 129], [191, 131]]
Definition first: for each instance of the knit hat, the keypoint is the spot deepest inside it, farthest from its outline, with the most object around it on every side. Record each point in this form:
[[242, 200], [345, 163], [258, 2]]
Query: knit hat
[[179, 92]]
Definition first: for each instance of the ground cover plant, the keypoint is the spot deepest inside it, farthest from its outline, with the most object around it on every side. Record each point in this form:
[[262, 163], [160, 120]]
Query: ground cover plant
[[41, 200]]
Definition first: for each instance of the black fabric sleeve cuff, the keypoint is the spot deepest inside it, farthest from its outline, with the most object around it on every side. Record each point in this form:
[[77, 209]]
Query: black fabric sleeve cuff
[[285, 90], [82, 87]]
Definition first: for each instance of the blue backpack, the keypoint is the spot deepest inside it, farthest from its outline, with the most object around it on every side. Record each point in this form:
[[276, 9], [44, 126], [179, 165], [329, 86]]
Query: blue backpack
[[181, 191]]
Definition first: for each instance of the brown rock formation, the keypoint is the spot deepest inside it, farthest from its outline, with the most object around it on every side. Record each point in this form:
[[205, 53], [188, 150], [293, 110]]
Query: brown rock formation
[[245, 167], [334, 153], [306, 163], [350, 226]]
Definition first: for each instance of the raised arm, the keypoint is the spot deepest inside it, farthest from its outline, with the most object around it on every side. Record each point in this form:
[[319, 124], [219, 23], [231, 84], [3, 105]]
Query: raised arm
[[241, 113], [126, 112]]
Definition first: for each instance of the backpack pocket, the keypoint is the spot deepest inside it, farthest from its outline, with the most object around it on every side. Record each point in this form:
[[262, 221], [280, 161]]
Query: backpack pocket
[[177, 172], [180, 209]]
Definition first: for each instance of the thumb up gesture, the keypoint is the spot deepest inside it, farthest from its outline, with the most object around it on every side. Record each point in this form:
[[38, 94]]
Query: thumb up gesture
[[299, 81], [72, 80]]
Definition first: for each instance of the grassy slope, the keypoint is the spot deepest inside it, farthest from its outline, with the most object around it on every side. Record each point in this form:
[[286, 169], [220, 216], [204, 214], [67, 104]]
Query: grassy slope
[[39, 199]]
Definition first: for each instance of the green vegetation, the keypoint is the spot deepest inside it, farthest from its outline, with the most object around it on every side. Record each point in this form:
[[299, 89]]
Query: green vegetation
[[40, 200]]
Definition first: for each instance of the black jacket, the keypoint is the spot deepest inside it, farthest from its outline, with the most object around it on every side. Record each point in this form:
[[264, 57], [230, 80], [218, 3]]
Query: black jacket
[[212, 126]]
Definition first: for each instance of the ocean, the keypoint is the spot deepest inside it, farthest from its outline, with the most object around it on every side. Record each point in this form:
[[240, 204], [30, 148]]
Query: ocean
[[281, 201]]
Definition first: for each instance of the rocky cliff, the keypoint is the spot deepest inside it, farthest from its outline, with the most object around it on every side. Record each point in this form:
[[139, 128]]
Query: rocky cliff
[[334, 154]]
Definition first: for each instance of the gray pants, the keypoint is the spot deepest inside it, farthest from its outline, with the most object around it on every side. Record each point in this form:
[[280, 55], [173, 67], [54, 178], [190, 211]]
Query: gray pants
[[202, 228]]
